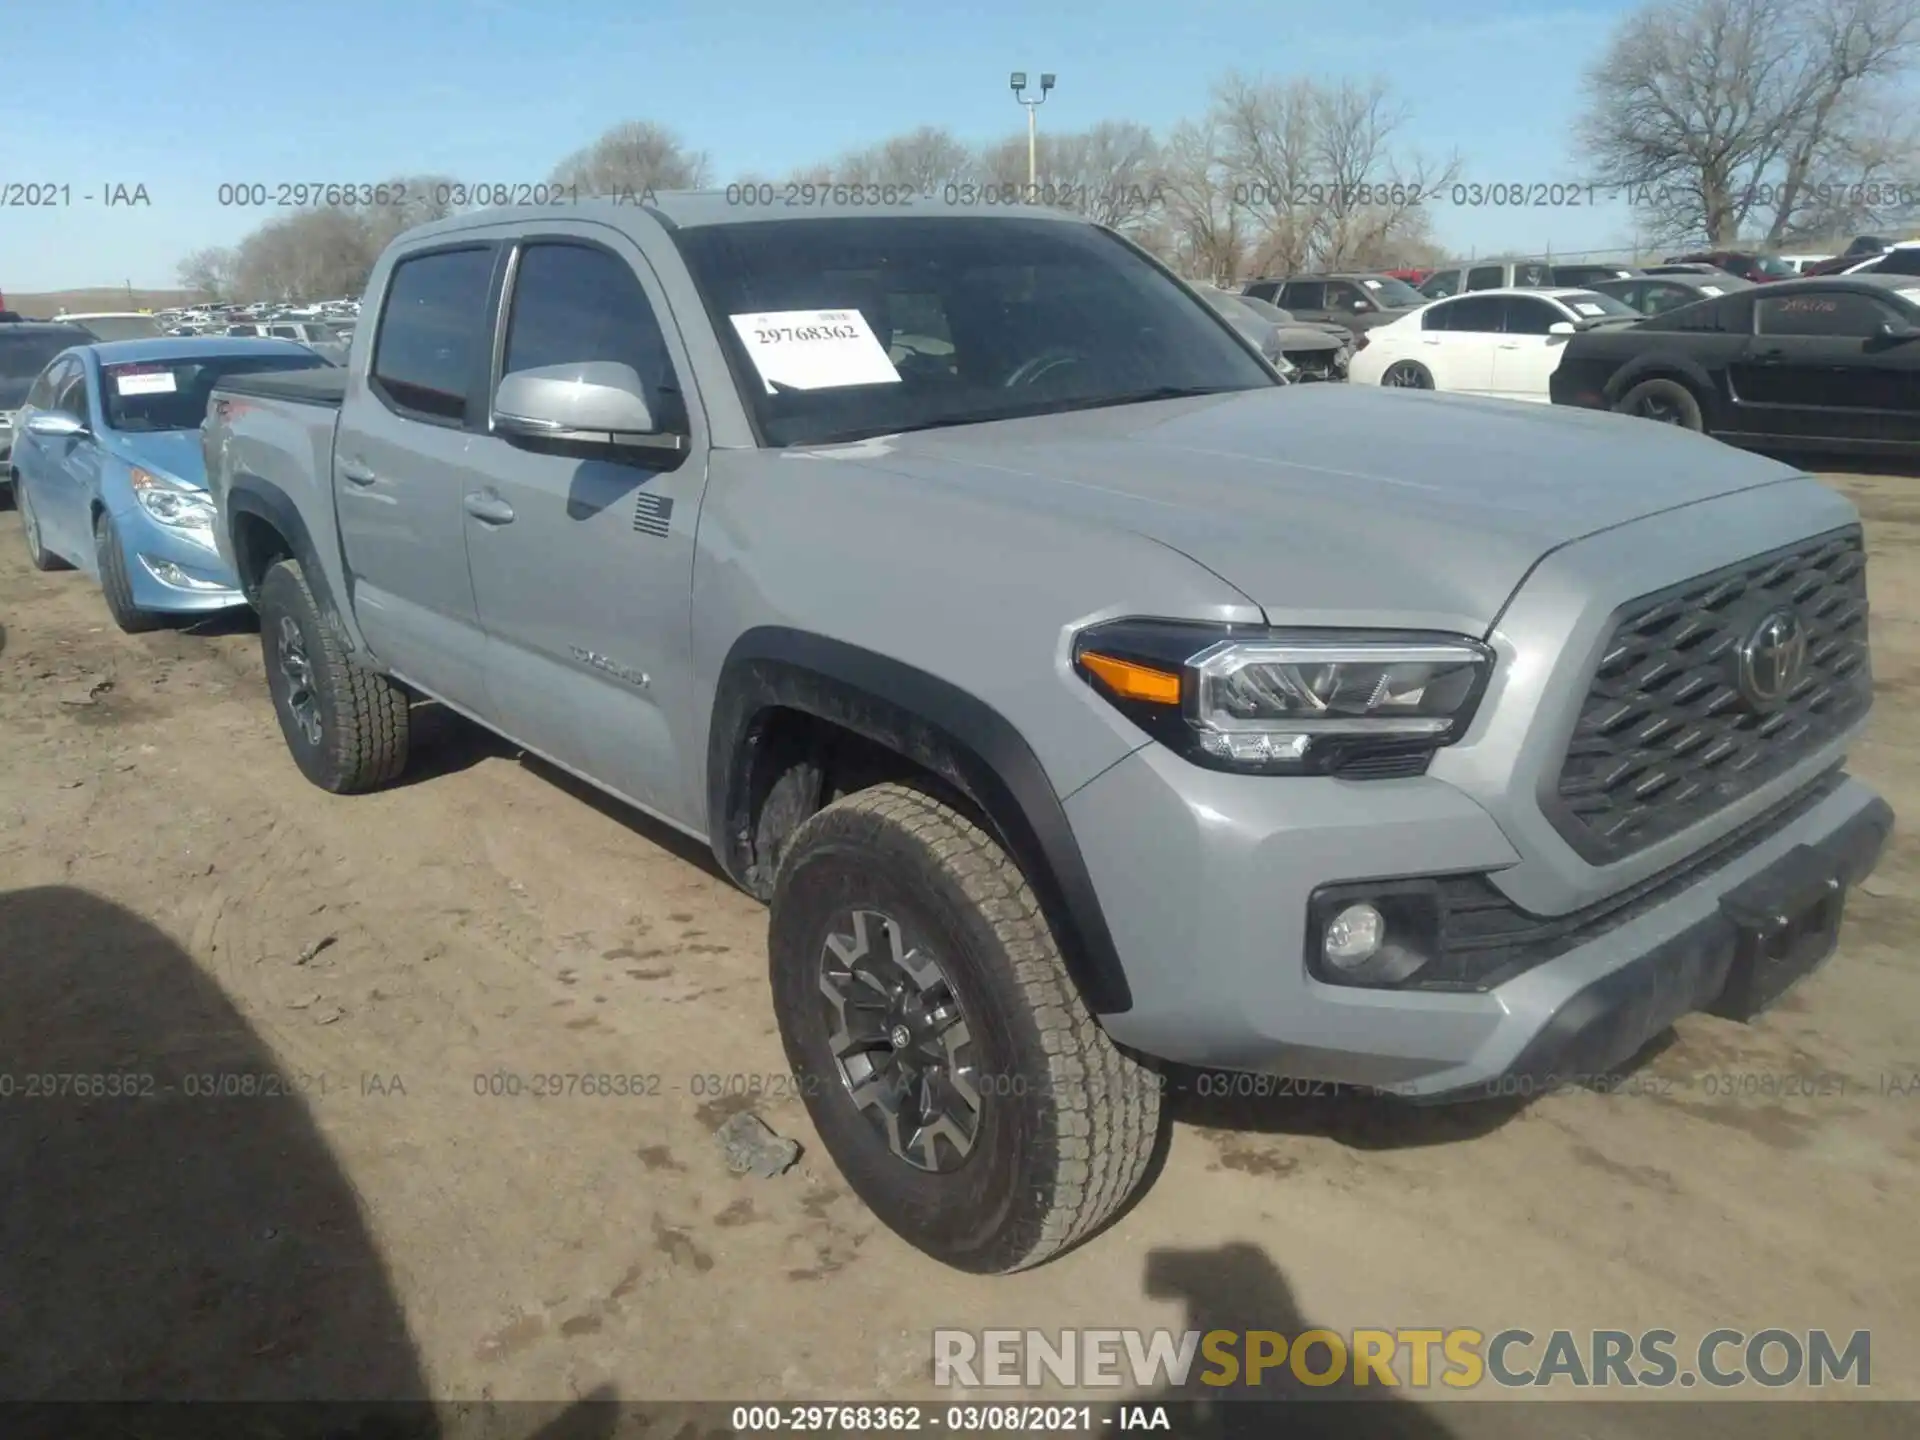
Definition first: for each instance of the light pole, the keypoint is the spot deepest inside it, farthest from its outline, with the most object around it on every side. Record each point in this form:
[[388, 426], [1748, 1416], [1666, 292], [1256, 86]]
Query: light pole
[[1019, 83]]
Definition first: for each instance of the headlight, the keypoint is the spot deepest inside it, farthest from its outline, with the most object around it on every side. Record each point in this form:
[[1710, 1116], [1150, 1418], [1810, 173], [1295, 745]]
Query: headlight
[[175, 505], [1289, 702]]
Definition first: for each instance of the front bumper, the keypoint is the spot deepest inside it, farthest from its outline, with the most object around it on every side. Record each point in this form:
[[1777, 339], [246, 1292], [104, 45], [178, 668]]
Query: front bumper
[[170, 574], [1206, 880]]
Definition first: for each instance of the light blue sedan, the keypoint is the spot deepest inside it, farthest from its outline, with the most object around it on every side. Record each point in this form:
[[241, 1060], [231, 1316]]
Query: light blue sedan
[[108, 476]]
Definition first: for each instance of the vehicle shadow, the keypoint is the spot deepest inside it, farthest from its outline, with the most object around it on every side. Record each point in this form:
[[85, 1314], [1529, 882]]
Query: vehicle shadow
[[241, 620], [1239, 1288], [445, 742], [163, 1242], [176, 1226]]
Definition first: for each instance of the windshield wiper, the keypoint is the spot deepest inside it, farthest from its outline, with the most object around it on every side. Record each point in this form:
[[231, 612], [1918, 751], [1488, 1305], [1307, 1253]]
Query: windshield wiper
[[1026, 412]]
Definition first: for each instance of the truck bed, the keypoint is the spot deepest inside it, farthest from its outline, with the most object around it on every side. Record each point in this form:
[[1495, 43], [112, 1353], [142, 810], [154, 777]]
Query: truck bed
[[309, 387]]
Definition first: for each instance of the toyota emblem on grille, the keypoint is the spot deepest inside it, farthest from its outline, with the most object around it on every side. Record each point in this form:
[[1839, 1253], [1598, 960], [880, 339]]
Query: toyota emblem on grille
[[1773, 658]]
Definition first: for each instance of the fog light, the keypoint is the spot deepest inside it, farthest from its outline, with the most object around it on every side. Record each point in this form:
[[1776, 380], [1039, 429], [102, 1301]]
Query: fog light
[[1354, 936]]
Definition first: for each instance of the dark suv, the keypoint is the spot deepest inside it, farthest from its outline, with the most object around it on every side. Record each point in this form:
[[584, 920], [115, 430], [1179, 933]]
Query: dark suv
[[1357, 300], [25, 348]]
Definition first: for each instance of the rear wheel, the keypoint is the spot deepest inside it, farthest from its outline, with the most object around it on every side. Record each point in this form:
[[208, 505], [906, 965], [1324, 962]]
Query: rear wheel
[[1667, 401], [38, 555], [346, 726], [963, 1089], [114, 582], [1408, 375]]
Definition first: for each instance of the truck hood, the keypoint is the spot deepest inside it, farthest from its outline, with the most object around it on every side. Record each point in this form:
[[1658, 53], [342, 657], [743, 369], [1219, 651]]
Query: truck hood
[[1350, 504], [171, 452]]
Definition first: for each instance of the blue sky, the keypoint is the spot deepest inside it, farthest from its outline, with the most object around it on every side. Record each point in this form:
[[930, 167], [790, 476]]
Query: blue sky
[[183, 95]]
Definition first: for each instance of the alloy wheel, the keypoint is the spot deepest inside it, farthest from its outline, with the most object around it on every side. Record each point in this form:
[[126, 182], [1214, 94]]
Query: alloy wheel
[[297, 670], [900, 1041], [1405, 377]]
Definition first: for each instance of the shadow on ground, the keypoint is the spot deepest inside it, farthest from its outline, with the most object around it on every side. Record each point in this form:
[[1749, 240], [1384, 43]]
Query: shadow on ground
[[163, 1241]]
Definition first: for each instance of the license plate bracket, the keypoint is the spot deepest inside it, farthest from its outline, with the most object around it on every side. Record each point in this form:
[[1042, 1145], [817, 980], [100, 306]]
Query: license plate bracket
[[1786, 921]]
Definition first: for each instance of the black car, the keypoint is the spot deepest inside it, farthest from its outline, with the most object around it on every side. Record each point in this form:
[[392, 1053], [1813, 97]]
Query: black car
[[1657, 294], [1356, 300], [1747, 264], [1682, 267], [1898, 260], [25, 348], [1828, 364]]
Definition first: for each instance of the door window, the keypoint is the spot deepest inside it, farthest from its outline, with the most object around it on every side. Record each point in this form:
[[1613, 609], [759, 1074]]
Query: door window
[[1531, 317], [1486, 277], [73, 394], [1837, 313], [433, 333], [1480, 316], [578, 303], [1304, 295]]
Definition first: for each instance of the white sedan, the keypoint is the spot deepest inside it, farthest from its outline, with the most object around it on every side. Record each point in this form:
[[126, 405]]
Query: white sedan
[[1500, 343]]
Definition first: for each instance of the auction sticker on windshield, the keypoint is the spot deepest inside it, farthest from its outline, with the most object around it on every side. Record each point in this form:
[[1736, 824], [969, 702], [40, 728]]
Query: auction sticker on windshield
[[1586, 309], [144, 382], [814, 349]]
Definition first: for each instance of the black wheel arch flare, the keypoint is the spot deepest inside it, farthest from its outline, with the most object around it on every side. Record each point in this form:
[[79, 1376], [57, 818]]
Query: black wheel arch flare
[[937, 726]]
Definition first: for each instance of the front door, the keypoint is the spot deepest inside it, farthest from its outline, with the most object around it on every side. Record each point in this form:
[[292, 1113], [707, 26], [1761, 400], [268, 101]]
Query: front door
[[1818, 368], [583, 562], [1525, 356]]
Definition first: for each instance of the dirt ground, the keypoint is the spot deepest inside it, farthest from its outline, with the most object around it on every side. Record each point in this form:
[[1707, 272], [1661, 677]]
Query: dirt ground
[[382, 1226]]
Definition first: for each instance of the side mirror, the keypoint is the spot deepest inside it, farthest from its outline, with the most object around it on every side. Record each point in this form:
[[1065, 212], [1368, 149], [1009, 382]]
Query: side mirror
[[1892, 332], [1362, 306], [596, 402], [1562, 327], [53, 426]]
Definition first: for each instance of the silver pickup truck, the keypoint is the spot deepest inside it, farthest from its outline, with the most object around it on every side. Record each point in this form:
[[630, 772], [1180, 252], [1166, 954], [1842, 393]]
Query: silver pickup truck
[[1087, 704]]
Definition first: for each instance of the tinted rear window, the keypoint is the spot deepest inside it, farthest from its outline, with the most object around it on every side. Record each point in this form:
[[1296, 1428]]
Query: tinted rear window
[[434, 331]]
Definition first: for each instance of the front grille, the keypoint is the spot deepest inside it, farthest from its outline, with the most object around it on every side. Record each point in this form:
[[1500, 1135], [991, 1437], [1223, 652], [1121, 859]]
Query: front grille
[[1671, 732], [1314, 364]]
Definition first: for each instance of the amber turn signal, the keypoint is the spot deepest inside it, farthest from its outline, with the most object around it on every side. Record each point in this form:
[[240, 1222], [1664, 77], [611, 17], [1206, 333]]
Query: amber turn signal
[[1134, 682]]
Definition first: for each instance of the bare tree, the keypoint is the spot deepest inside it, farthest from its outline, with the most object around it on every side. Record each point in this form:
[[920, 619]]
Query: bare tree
[[1110, 173], [1320, 171], [1206, 233], [1767, 117], [209, 273], [407, 201], [633, 158], [926, 160]]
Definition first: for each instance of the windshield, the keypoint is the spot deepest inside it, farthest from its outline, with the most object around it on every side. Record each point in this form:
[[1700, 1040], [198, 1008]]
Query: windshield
[[140, 397], [1388, 291], [121, 327], [1591, 305], [1774, 265], [839, 329], [23, 357]]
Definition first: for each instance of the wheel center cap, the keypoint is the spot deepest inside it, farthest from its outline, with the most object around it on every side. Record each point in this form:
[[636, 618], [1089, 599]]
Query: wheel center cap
[[900, 1037]]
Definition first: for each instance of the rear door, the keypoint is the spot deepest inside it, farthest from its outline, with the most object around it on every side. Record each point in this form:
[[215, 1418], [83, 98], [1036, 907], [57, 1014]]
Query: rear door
[[1457, 342], [1817, 369], [1525, 354], [1306, 299], [401, 465], [583, 559]]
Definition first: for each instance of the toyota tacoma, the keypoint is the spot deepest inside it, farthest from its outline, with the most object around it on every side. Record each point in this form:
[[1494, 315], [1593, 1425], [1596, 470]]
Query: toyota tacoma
[[1086, 703]]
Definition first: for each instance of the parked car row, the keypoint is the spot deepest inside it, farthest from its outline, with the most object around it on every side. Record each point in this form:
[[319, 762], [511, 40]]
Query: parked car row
[[1083, 700], [1828, 362]]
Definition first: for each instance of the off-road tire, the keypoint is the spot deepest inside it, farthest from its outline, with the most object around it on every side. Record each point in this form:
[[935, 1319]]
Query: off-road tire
[[115, 586], [364, 716], [1673, 393], [1068, 1123], [38, 555]]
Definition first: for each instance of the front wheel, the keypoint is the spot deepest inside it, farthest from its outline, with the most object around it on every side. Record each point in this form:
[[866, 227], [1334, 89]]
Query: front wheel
[[346, 726], [115, 584], [1407, 375], [963, 1089], [1667, 401]]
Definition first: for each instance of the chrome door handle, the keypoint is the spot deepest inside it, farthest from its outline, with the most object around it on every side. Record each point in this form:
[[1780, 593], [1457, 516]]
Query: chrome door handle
[[490, 509], [355, 472]]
